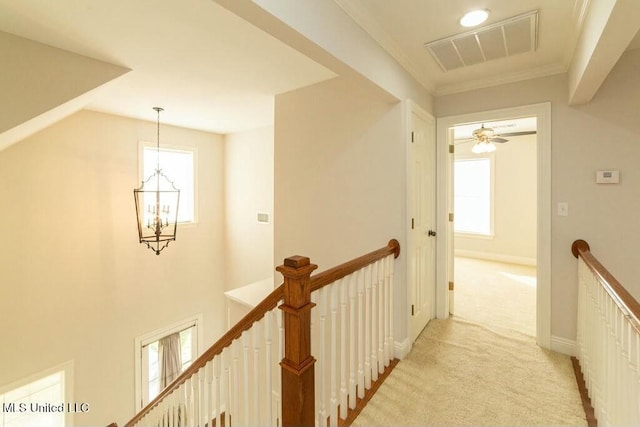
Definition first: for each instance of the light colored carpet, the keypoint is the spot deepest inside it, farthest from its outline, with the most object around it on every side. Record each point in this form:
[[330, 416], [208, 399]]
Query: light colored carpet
[[464, 374], [498, 295]]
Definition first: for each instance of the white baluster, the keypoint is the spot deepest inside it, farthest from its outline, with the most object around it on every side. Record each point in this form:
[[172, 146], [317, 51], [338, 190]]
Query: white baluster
[[195, 383], [321, 364], [374, 322], [352, 340], [279, 319], [171, 402], [361, 320], [255, 416], [188, 402], [228, 403], [209, 407], [235, 384], [343, 294], [387, 343], [217, 375], [381, 311], [367, 328], [246, 375], [333, 414], [269, 371], [391, 311]]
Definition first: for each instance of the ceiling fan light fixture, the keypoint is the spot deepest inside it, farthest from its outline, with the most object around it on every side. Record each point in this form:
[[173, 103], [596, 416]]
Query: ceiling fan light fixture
[[474, 18], [482, 147]]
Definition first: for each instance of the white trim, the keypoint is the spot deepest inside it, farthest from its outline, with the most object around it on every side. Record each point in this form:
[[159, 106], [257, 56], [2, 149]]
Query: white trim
[[564, 346], [496, 80], [542, 112], [67, 369], [143, 340], [509, 259], [401, 348]]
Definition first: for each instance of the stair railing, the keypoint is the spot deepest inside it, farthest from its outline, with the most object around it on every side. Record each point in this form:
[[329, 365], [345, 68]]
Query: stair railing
[[608, 341], [263, 372]]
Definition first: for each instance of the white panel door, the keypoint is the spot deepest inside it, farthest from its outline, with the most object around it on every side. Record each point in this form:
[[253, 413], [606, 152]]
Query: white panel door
[[422, 236]]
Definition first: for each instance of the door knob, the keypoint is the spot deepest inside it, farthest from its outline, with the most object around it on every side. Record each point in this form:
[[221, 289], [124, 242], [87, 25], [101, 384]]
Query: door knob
[[431, 233]]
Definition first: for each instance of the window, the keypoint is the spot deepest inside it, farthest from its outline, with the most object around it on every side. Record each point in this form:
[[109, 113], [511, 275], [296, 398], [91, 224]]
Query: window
[[40, 400], [178, 164], [473, 196], [149, 353]]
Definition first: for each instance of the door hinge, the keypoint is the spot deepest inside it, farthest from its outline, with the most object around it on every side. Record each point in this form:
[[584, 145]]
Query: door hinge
[[413, 223], [412, 136], [450, 286], [451, 217], [412, 310], [452, 150]]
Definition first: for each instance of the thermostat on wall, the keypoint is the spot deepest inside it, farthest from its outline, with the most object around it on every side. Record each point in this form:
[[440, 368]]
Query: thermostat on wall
[[607, 177]]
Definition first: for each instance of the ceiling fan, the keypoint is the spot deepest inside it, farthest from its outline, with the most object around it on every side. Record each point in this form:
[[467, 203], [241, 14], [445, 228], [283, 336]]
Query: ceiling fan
[[485, 137]]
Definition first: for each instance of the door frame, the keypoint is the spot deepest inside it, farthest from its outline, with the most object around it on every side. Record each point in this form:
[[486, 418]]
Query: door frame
[[411, 107], [542, 112]]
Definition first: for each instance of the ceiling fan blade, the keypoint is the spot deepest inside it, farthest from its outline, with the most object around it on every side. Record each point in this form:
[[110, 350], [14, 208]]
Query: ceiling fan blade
[[498, 140], [528, 132], [463, 141]]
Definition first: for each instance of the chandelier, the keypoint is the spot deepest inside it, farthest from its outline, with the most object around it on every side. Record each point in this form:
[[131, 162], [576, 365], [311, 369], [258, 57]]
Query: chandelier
[[157, 201]]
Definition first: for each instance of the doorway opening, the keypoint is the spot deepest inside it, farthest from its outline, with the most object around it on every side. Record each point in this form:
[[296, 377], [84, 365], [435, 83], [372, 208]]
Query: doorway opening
[[445, 215], [495, 220]]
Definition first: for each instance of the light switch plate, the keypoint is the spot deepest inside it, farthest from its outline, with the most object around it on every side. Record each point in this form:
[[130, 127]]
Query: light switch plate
[[607, 177]]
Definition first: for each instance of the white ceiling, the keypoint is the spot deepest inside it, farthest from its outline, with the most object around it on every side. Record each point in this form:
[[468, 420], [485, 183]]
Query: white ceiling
[[209, 69], [404, 26], [213, 71]]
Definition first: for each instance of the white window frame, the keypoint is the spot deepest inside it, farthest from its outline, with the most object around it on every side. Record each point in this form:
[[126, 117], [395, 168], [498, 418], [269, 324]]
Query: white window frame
[[491, 158], [66, 369], [148, 338], [172, 147]]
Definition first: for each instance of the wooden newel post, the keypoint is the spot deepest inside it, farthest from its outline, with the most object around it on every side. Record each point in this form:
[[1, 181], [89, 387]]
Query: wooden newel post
[[297, 365]]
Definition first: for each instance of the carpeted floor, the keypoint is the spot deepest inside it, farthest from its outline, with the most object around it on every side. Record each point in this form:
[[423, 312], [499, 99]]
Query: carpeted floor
[[498, 295], [464, 374]]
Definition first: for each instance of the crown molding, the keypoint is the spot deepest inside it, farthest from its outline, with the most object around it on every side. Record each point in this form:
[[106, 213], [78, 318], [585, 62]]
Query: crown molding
[[357, 12], [544, 71]]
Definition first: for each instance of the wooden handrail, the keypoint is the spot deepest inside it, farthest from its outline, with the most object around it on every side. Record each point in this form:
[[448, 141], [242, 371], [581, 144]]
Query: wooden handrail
[[623, 299], [336, 273], [269, 303]]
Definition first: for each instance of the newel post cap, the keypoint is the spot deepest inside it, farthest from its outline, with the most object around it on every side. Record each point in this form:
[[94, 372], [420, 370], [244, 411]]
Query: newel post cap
[[296, 266]]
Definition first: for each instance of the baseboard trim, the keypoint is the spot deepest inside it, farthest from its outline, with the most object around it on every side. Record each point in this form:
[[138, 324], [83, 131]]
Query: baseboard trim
[[401, 348], [511, 259], [563, 345]]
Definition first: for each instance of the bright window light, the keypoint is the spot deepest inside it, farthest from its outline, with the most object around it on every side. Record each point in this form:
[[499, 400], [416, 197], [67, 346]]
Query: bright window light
[[178, 166], [20, 405], [473, 18], [472, 196]]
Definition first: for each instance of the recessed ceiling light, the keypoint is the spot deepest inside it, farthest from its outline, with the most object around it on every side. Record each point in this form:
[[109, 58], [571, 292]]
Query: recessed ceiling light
[[475, 17]]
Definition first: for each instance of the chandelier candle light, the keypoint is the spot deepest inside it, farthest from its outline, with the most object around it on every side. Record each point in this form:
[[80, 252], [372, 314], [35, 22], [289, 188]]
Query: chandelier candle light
[[157, 206]]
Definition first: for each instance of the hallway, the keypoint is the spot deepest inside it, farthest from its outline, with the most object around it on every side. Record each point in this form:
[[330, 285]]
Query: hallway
[[463, 374], [481, 366]]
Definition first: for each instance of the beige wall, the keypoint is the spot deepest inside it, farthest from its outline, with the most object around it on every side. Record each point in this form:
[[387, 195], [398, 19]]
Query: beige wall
[[340, 178], [248, 190], [515, 189], [75, 282], [602, 134]]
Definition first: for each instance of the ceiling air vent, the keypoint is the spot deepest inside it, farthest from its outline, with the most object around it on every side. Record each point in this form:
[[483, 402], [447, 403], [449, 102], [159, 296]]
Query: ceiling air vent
[[505, 38]]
